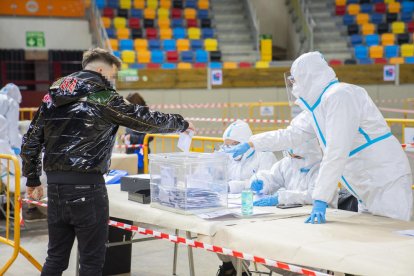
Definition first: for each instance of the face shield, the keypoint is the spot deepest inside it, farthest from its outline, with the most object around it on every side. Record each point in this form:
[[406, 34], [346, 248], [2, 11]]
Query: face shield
[[289, 82]]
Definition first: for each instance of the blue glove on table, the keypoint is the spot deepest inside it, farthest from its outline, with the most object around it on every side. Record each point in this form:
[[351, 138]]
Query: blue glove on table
[[16, 151], [257, 185], [267, 201], [238, 150], [318, 212]]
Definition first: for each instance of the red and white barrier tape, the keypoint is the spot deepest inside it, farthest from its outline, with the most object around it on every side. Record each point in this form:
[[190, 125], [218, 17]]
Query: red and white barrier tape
[[129, 146], [396, 110], [208, 247], [230, 120], [408, 146], [197, 106], [390, 101]]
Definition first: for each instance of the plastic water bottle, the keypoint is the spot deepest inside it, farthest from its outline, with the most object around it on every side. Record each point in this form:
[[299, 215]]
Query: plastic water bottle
[[247, 203]]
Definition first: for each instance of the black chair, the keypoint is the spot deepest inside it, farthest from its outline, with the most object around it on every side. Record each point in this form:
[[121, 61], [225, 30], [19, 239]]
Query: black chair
[[403, 38], [353, 29], [123, 13], [364, 1], [215, 56], [149, 23], [391, 17], [383, 28], [206, 23], [137, 33], [178, 4], [350, 61]]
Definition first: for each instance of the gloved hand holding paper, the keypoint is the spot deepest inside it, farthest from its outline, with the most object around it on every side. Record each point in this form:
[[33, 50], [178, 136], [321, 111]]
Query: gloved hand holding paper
[[184, 142]]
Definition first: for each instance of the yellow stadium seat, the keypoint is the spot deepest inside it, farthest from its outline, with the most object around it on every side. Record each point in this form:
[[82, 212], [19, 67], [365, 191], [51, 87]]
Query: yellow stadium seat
[[164, 23], [194, 33], [230, 65], [122, 33], [124, 66], [398, 27], [389, 1], [190, 13], [262, 64], [183, 44], [144, 56], [397, 60], [340, 2], [114, 44], [140, 44], [353, 9], [125, 4], [128, 56], [163, 13], [387, 39], [153, 4], [362, 18], [203, 4], [394, 7], [166, 4], [376, 51], [149, 13], [184, 65], [106, 21], [166, 33], [368, 28], [139, 4], [407, 50], [120, 22], [210, 44]]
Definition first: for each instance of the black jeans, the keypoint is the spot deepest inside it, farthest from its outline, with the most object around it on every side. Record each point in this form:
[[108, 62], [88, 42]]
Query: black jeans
[[79, 211]]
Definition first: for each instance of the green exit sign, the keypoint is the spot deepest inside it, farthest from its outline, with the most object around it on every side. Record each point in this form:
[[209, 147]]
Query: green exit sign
[[35, 39]]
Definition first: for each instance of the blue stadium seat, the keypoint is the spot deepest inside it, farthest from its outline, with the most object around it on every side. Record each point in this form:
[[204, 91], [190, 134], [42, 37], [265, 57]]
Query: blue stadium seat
[[207, 33], [202, 14], [409, 60], [111, 32], [157, 56], [216, 65], [352, 1], [371, 40], [407, 16], [365, 61], [137, 13], [191, 4], [201, 56], [361, 52], [407, 7], [113, 4], [187, 56], [197, 44], [154, 44], [168, 66], [356, 40], [137, 66], [376, 18], [176, 23], [100, 4], [126, 44], [117, 54], [348, 19], [367, 8], [179, 33], [377, 1], [391, 51], [170, 45]]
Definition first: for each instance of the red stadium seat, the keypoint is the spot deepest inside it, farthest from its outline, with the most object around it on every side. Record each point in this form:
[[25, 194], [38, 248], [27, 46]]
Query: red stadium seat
[[245, 65], [153, 66], [151, 33], [340, 10], [380, 8], [200, 65], [380, 61], [172, 56], [108, 12]]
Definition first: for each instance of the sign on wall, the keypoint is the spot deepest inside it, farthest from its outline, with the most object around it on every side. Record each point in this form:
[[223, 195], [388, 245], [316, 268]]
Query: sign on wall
[[35, 39], [216, 77], [389, 73]]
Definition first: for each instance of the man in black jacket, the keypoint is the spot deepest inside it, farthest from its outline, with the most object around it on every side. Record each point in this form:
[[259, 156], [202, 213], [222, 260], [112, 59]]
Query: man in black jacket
[[75, 128]]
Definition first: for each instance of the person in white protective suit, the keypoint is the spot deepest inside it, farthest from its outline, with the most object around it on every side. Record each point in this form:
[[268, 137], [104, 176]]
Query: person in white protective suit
[[292, 179], [358, 148], [241, 168]]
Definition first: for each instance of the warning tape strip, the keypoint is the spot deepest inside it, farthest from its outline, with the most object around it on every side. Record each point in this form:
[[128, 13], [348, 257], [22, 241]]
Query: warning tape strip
[[208, 247], [407, 111], [134, 146], [230, 120], [198, 106]]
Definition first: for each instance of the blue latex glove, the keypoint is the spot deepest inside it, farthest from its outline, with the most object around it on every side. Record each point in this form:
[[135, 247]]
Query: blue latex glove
[[318, 212], [257, 185], [267, 201], [16, 151], [238, 150]]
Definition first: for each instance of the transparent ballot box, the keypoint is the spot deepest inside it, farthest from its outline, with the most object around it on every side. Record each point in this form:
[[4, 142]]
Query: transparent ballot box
[[188, 183]]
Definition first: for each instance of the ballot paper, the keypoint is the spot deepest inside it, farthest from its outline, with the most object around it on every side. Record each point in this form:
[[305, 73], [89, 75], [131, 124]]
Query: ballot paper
[[409, 233], [235, 213], [184, 142]]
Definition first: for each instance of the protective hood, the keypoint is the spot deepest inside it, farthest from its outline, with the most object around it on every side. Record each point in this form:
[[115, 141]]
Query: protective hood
[[238, 131], [310, 151], [12, 91], [312, 74], [77, 86]]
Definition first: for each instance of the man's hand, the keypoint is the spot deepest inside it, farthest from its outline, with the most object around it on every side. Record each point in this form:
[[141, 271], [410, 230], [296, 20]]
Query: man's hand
[[35, 193], [191, 127]]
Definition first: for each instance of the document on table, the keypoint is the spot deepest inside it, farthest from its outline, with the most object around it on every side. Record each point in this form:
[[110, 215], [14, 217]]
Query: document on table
[[235, 213], [184, 142], [409, 233]]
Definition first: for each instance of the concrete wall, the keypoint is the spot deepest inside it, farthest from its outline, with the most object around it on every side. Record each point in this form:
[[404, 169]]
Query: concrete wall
[[59, 33]]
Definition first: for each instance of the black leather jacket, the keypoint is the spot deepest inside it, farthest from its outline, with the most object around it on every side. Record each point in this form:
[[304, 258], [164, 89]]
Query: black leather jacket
[[76, 124]]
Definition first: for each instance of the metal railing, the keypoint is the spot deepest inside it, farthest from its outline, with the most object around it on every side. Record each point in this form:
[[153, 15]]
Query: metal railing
[[254, 23], [15, 242], [97, 28], [304, 24]]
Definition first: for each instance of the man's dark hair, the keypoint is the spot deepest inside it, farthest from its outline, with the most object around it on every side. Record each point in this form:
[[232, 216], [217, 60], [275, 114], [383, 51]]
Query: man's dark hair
[[136, 98], [99, 54]]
